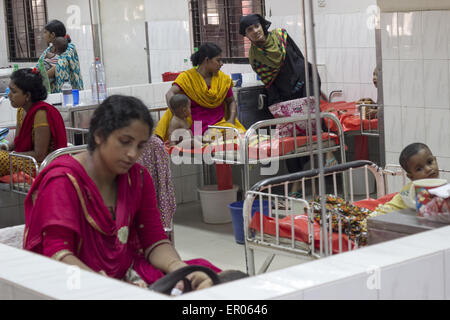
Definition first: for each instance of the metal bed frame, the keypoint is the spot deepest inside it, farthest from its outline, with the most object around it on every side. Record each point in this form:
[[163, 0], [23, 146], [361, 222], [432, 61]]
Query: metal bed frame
[[27, 165], [281, 205]]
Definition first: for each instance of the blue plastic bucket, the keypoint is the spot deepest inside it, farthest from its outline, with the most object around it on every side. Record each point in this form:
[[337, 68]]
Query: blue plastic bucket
[[237, 218]]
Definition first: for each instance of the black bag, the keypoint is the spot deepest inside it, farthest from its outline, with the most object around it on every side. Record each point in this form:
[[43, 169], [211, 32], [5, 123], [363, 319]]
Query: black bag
[[168, 282]]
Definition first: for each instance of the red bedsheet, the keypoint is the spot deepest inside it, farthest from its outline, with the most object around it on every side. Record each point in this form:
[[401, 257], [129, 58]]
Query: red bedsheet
[[267, 148], [348, 115], [301, 225], [300, 230]]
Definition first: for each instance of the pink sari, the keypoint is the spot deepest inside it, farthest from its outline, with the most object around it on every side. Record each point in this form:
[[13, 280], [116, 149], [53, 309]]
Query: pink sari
[[103, 244]]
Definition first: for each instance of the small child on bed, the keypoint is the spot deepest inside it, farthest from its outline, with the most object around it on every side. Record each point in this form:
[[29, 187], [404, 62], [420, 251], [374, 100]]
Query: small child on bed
[[179, 128], [419, 163]]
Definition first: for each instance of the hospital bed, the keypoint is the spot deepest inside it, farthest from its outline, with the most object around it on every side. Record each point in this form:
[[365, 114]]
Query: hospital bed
[[294, 226]]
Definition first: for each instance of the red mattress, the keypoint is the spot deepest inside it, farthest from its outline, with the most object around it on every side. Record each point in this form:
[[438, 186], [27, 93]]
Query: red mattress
[[348, 115], [275, 147]]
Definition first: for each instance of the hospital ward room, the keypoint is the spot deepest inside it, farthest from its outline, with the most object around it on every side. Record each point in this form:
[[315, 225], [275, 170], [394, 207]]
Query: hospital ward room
[[224, 150]]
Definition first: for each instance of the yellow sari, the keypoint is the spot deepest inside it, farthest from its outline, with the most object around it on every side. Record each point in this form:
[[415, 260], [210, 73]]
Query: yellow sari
[[194, 86]]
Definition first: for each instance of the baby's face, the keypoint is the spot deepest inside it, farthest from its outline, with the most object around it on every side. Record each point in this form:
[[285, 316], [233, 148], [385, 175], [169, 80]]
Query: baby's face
[[187, 110], [423, 165]]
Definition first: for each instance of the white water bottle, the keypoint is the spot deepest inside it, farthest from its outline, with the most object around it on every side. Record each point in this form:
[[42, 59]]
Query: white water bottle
[[98, 83], [67, 100]]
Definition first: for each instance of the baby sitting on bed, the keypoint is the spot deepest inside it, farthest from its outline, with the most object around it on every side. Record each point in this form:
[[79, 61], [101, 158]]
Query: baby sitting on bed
[[51, 59], [179, 129]]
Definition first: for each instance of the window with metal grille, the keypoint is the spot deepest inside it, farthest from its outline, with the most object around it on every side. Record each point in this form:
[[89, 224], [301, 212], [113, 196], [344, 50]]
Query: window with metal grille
[[25, 20], [218, 21]]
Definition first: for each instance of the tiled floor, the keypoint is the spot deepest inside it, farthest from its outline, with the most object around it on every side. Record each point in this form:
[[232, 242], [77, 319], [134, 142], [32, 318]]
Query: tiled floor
[[216, 242], [11, 207]]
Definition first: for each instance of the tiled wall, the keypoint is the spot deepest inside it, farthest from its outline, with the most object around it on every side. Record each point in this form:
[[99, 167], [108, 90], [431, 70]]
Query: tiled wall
[[416, 86], [169, 36], [123, 42], [345, 45]]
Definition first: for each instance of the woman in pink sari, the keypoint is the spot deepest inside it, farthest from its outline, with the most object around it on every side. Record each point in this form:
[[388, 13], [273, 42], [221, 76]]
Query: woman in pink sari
[[98, 209]]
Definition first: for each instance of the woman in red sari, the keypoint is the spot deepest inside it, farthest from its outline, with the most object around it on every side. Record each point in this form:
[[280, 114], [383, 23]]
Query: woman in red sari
[[40, 128], [98, 209]]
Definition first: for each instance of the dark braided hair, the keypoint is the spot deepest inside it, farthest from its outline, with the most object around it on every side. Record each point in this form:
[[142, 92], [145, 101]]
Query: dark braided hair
[[114, 113], [29, 81]]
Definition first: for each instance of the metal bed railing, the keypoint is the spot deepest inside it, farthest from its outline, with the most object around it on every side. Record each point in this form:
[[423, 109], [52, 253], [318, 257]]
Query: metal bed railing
[[282, 206], [261, 132], [365, 114], [23, 168]]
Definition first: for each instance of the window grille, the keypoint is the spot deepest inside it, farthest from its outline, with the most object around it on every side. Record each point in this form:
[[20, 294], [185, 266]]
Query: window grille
[[25, 20], [217, 21]]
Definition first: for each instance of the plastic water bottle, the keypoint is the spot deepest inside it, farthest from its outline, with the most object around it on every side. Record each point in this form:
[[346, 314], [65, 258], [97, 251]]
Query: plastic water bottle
[[97, 73], [67, 94]]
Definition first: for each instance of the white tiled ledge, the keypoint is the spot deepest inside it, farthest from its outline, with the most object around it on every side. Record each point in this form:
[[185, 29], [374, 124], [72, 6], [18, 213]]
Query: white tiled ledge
[[414, 267], [24, 275]]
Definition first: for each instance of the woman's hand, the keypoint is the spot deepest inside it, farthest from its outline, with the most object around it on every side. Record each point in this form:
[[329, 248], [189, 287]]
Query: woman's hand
[[199, 280]]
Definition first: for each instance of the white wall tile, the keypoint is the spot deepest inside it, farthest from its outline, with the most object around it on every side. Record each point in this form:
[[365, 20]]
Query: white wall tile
[[389, 35], [352, 91], [366, 32], [447, 18], [438, 131], [320, 29], [434, 39], [420, 278], [335, 65], [436, 83], [444, 163], [351, 65], [351, 25], [334, 30], [367, 63], [411, 83], [391, 82], [369, 91], [393, 128], [413, 120], [410, 35]]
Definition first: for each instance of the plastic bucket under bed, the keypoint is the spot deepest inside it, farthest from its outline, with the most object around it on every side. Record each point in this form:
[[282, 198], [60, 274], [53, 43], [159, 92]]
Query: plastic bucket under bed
[[214, 203], [236, 209]]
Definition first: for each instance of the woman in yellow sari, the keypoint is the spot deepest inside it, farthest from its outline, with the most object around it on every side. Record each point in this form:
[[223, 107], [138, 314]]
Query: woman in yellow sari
[[210, 92]]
